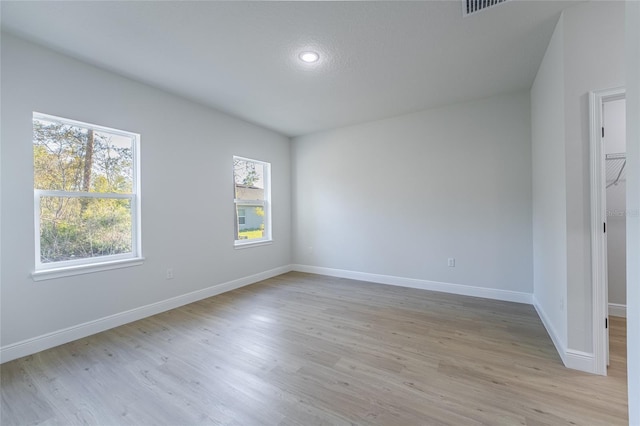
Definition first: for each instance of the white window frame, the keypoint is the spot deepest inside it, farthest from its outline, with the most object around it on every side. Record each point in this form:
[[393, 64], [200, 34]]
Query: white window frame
[[265, 204], [64, 268]]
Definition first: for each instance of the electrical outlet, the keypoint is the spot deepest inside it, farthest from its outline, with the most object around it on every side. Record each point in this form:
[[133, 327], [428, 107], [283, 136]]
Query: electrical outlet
[[451, 262], [169, 273]]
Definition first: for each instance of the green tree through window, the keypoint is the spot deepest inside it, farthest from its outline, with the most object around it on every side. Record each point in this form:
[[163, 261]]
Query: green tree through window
[[85, 187]]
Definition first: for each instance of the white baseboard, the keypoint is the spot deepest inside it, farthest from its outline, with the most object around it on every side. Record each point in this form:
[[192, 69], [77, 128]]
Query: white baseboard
[[582, 361], [551, 331], [617, 310], [59, 337], [576, 360], [465, 290]]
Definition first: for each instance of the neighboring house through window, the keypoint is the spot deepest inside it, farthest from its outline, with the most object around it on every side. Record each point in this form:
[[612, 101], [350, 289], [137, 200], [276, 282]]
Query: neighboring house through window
[[252, 201], [86, 195]]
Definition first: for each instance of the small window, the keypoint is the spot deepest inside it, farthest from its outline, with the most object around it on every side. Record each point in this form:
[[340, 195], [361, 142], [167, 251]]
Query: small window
[[85, 194], [252, 201], [242, 217]]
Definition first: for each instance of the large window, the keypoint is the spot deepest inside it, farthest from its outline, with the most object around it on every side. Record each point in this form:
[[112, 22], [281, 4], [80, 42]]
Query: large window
[[86, 194], [252, 201]]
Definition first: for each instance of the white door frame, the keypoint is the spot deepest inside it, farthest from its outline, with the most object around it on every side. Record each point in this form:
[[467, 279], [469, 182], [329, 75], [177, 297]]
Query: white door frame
[[600, 306]]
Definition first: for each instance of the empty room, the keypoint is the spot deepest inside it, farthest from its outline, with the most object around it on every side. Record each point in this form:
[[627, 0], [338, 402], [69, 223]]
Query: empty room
[[320, 213]]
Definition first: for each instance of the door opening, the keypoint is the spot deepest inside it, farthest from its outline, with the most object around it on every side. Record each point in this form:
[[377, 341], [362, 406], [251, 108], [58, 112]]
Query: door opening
[[608, 217]]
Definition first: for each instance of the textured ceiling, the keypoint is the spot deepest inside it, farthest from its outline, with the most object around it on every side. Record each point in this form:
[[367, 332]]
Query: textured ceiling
[[378, 59]]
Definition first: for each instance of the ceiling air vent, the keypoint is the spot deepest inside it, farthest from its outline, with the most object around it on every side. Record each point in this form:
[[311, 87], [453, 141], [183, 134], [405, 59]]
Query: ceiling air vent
[[472, 6]]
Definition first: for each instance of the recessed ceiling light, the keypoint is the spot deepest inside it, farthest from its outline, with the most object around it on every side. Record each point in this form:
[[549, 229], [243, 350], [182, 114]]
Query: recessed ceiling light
[[309, 57]]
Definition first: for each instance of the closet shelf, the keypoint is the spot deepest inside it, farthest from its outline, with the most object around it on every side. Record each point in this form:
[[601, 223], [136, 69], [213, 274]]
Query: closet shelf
[[615, 164]]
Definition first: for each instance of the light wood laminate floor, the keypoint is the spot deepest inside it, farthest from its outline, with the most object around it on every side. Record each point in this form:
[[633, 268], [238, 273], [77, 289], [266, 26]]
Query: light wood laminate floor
[[303, 349]]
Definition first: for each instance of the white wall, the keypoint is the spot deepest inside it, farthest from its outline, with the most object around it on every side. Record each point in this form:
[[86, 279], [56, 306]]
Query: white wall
[[615, 136], [615, 123], [633, 205], [586, 53], [549, 190], [594, 60], [399, 196], [187, 192]]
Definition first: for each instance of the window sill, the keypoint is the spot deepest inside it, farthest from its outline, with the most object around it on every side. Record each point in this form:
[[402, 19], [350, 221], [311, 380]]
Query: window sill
[[244, 245], [68, 271]]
